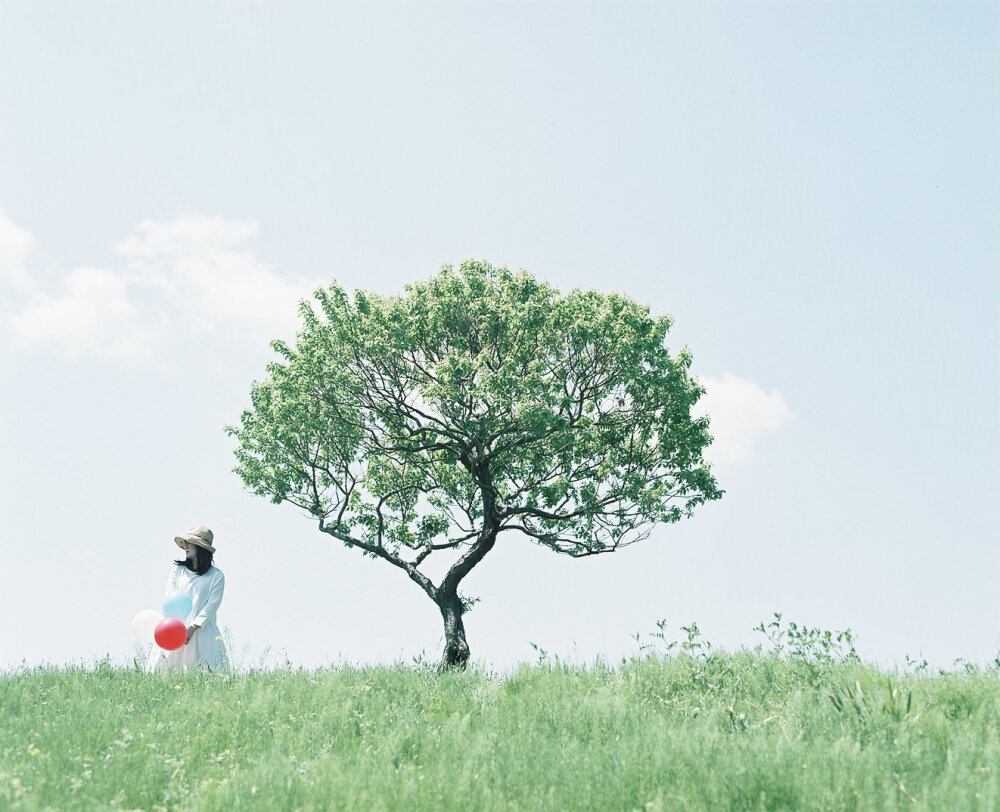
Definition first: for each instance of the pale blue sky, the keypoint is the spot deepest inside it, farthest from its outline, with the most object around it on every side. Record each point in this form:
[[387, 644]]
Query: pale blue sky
[[811, 190]]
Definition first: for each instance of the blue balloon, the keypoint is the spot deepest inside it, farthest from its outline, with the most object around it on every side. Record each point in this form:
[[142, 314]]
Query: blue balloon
[[178, 606]]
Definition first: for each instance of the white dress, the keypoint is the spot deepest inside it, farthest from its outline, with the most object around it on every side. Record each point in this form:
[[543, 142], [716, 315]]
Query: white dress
[[206, 648]]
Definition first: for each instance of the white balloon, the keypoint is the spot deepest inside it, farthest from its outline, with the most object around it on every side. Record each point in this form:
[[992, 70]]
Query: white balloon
[[144, 623]]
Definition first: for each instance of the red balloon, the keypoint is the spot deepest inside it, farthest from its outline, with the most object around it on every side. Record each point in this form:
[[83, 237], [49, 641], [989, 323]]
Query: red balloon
[[170, 633]]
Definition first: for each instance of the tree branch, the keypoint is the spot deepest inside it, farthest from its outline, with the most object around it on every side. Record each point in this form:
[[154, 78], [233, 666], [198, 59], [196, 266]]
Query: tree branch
[[410, 569]]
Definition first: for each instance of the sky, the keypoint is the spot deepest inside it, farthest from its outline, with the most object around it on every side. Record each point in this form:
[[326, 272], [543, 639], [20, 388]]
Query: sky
[[810, 190]]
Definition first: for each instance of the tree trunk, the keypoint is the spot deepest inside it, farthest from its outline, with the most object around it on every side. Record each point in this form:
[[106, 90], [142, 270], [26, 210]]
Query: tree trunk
[[456, 650]]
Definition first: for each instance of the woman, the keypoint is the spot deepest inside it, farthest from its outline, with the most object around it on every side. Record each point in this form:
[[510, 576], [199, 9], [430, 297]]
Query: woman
[[195, 575]]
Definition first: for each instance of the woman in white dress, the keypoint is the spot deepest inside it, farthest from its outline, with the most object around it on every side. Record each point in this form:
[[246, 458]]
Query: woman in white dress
[[195, 575]]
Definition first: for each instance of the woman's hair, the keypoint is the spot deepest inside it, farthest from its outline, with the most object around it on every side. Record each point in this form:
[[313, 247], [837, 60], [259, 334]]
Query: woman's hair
[[202, 561]]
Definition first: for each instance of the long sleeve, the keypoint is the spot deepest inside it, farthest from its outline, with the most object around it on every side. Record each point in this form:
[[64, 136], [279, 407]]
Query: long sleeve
[[212, 604], [172, 581]]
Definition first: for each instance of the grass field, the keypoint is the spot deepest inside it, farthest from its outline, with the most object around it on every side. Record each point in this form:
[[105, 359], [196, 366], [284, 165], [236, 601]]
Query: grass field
[[682, 728]]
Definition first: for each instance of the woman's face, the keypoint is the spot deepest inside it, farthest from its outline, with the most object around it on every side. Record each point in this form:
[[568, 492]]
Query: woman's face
[[189, 549]]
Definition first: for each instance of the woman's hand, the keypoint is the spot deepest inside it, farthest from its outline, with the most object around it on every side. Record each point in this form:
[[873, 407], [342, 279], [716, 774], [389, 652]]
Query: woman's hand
[[191, 630]]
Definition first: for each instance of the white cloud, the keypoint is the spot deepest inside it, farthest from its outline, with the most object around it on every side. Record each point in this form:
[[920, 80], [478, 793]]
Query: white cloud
[[16, 246], [192, 275], [204, 266], [740, 413], [91, 315], [198, 275], [185, 235]]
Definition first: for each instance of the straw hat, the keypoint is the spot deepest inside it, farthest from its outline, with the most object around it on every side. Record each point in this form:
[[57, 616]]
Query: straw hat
[[200, 536]]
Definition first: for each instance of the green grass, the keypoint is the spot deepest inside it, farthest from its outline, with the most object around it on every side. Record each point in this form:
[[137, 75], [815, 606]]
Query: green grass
[[804, 727]]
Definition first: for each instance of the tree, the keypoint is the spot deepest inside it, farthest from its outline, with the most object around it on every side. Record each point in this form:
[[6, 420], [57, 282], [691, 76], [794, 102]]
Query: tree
[[479, 402]]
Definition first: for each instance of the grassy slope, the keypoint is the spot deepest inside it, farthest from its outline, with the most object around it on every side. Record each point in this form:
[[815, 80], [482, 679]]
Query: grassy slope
[[730, 731]]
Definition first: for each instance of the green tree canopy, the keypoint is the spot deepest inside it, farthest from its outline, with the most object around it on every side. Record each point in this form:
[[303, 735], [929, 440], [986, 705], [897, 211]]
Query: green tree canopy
[[478, 402]]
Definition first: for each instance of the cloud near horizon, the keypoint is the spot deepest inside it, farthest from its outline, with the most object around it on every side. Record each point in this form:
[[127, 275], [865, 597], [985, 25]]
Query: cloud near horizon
[[16, 245], [198, 274], [194, 274], [741, 412]]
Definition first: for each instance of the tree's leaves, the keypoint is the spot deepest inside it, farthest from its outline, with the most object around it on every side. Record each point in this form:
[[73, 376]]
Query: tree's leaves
[[478, 396]]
